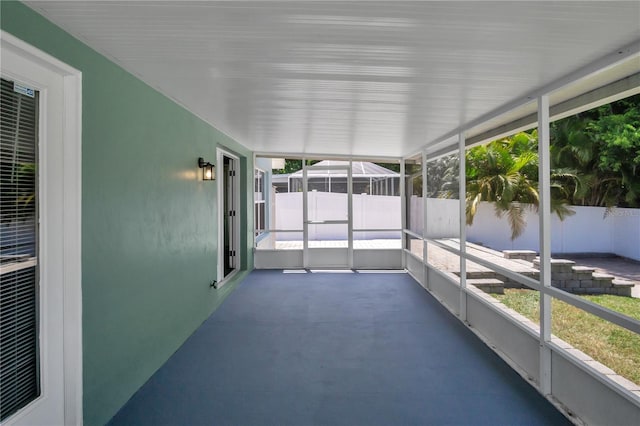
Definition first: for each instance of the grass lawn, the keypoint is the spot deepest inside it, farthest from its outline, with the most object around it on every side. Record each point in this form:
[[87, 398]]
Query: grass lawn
[[613, 346]]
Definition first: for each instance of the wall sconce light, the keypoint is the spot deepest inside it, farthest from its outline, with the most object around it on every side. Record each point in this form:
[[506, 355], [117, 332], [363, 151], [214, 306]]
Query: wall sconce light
[[208, 169]]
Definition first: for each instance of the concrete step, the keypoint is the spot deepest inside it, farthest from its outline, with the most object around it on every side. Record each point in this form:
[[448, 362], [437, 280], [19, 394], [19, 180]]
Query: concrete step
[[562, 265], [557, 265], [581, 269], [488, 285], [602, 278], [480, 274], [527, 255], [522, 262], [623, 287], [580, 273], [619, 282]]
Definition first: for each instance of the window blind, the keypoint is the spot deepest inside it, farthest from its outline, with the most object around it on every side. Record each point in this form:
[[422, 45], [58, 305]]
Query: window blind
[[19, 366]]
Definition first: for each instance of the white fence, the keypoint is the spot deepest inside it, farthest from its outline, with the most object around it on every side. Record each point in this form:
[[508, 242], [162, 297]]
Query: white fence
[[588, 231], [443, 215], [369, 212]]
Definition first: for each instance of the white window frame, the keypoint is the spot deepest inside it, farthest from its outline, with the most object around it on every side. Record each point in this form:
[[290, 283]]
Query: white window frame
[[60, 200]]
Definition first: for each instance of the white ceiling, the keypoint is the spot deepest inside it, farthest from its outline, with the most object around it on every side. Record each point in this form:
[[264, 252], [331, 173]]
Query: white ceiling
[[348, 78]]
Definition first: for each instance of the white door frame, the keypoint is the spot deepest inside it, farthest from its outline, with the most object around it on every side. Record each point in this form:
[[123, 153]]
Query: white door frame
[[235, 235], [60, 197], [324, 254], [270, 257]]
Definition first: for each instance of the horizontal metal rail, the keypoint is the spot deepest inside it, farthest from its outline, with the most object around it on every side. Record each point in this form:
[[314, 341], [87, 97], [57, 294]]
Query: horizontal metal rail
[[413, 234], [355, 230], [419, 258], [328, 222]]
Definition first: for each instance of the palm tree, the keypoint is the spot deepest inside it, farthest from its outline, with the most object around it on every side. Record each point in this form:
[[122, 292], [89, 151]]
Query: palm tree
[[443, 177], [573, 149], [603, 146], [505, 172]]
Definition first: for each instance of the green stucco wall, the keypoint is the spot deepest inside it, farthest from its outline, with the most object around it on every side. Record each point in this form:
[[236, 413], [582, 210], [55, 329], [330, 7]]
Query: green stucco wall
[[149, 233]]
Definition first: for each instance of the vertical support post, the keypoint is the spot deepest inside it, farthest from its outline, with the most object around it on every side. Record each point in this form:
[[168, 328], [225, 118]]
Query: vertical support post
[[350, 213], [463, 226], [305, 217], [403, 212], [425, 218], [544, 172]]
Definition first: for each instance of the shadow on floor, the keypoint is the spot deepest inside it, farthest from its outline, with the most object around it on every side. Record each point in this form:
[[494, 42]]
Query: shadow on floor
[[335, 349]]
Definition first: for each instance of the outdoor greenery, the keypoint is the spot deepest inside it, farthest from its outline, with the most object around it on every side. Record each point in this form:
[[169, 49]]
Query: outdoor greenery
[[505, 172], [292, 166], [613, 346], [442, 177], [603, 146], [595, 161]]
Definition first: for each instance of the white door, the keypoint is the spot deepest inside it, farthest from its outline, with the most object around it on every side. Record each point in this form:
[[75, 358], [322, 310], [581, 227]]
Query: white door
[[56, 255], [327, 214]]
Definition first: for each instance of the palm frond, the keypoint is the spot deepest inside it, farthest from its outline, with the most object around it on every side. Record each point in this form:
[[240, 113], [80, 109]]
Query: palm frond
[[517, 223]]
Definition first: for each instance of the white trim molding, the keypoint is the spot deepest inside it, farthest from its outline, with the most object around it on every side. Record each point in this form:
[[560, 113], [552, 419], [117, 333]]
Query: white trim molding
[[235, 236], [61, 185]]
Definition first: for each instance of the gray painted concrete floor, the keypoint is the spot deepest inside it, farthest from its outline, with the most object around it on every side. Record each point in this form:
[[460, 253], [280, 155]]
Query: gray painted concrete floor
[[335, 349]]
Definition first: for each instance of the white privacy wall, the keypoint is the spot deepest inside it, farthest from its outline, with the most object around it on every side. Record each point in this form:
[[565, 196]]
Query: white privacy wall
[[443, 217], [369, 212], [626, 232], [588, 231]]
